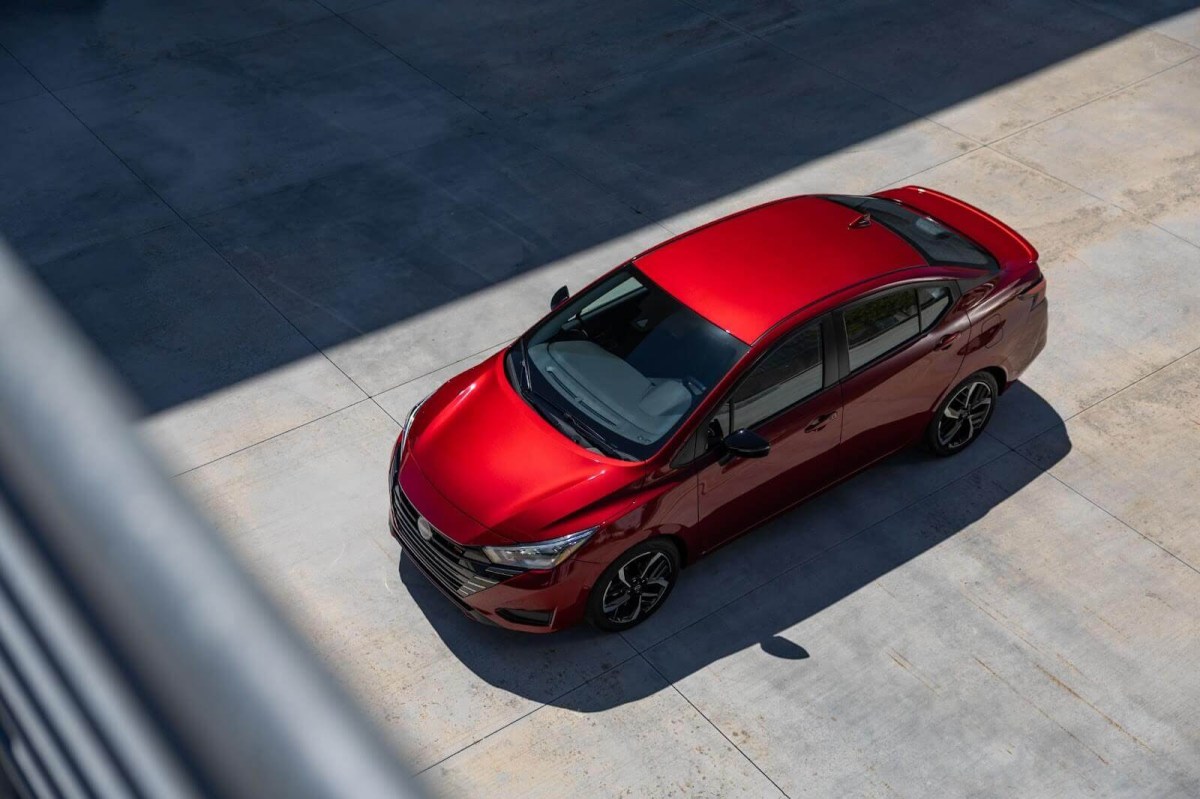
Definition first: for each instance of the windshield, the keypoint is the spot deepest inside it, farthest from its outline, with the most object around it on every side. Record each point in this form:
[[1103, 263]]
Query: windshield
[[619, 367], [936, 242]]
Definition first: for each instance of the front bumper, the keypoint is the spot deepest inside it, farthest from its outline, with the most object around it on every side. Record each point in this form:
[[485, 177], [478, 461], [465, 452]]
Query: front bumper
[[529, 601]]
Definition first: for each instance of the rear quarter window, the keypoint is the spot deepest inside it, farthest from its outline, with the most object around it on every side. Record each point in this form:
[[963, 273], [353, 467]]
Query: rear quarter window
[[933, 302]]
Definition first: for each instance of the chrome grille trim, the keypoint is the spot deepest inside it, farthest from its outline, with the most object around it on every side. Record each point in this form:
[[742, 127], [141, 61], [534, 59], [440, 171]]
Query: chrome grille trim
[[440, 558]]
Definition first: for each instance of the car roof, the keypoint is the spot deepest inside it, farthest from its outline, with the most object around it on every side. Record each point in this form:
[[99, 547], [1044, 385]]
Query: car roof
[[748, 271]]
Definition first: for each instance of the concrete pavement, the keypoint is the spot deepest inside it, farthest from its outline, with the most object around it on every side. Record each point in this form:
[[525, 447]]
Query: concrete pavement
[[285, 222]]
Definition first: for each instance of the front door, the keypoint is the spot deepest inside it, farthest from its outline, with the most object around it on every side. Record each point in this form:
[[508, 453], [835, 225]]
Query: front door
[[791, 398]]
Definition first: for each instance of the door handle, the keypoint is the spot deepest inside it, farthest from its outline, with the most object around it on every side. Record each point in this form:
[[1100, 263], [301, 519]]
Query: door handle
[[947, 341], [820, 422]]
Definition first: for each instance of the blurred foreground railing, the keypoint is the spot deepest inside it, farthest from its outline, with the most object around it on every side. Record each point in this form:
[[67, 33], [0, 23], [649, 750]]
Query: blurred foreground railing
[[136, 657]]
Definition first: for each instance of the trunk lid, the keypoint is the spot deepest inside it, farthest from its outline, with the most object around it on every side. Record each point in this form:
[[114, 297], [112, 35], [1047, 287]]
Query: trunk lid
[[1006, 245]]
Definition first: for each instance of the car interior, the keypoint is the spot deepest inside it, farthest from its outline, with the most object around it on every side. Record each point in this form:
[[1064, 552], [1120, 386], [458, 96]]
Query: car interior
[[633, 358]]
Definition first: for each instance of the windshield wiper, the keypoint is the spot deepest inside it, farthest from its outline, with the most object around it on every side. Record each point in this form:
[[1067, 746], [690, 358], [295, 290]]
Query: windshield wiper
[[584, 434], [551, 413], [525, 364], [592, 435]]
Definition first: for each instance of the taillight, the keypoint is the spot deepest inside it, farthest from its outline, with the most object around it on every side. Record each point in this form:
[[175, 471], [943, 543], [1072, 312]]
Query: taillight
[[1035, 292]]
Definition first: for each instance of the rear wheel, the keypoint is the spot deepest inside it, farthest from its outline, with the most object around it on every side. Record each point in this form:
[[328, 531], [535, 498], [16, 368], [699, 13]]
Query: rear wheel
[[634, 586], [963, 415]]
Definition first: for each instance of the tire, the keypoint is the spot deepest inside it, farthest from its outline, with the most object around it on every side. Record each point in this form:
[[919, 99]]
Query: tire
[[950, 432], [650, 565]]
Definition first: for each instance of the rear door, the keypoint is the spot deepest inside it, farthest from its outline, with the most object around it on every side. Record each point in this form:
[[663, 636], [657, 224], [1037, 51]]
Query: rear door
[[791, 398], [901, 348]]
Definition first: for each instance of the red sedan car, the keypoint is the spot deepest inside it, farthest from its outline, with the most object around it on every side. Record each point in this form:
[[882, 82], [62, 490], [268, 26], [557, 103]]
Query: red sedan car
[[705, 386]]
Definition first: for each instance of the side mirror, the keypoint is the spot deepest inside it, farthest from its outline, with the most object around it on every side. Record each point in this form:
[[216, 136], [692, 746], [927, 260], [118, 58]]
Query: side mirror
[[746, 444], [560, 296]]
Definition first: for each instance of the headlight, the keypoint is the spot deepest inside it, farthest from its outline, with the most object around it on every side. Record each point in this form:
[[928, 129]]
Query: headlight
[[542, 555]]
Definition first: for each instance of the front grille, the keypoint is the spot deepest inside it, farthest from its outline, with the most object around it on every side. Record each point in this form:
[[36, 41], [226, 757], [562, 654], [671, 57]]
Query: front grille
[[460, 570]]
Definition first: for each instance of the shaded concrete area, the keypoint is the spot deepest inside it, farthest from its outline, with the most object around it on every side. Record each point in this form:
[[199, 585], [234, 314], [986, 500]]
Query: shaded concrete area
[[287, 221], [363, 170]]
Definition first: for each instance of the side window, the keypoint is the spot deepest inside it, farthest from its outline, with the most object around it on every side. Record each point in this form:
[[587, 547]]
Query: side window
[[933, 302], [618, 292], [688, 452], [791, 371], [881, 323], [705, 438]]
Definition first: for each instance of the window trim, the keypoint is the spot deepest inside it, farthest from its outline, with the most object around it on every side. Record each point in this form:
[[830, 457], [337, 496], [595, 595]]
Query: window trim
[[843, 341]]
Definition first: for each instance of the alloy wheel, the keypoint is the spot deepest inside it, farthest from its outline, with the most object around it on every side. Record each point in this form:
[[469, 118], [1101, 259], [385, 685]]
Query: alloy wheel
[[965, 415], [637, 588]]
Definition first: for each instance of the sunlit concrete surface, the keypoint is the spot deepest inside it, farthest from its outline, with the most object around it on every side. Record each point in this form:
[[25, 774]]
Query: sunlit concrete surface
[[286, 222]]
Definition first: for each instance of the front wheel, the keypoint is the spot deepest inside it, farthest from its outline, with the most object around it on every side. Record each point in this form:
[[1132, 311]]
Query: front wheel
[[963, 414], [634, 586]]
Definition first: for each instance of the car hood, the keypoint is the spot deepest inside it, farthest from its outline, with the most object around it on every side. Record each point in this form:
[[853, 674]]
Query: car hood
[[499, 462]]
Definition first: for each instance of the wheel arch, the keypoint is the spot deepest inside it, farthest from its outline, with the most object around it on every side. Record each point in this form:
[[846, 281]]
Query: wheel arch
[[998, 374], [679, 544]]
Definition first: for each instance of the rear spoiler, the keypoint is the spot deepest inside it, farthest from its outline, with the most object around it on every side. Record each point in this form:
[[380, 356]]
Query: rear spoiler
[[1008, 246]]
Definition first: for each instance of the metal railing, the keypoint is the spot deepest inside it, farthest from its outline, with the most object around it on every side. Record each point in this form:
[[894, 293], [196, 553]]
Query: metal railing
[[137, 658]]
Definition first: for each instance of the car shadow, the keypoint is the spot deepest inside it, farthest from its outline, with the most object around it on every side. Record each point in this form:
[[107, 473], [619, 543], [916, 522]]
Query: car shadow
[[789, 569]]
